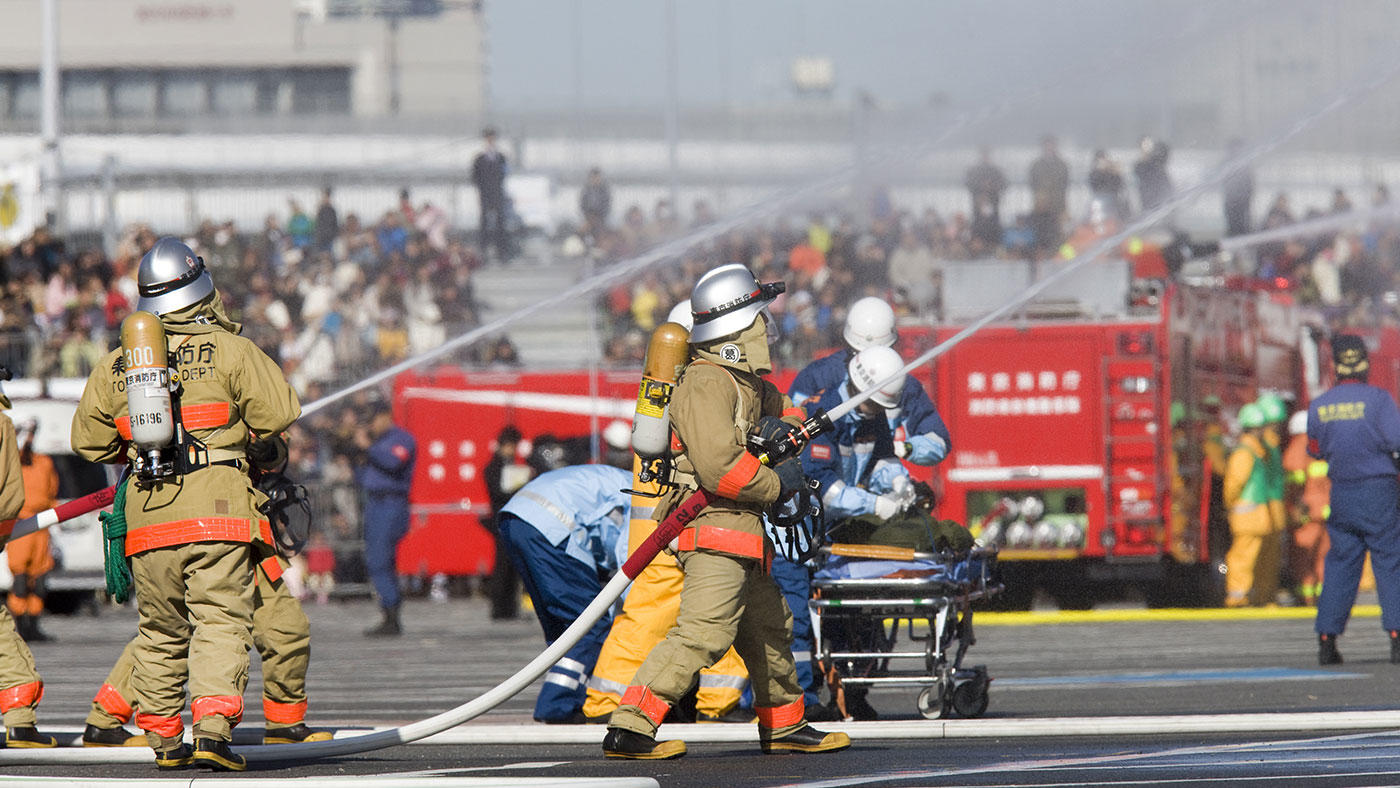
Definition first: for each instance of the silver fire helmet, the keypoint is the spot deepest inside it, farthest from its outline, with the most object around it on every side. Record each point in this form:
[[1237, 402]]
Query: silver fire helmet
[[171, 277], [727, 300]]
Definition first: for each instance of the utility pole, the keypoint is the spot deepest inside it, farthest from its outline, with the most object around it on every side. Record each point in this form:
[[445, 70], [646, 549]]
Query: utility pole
[[51, 161]]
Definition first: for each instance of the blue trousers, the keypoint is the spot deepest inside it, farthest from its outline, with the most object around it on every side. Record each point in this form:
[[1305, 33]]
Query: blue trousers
[[560, 587], [795, 581], [386, 522], [1365, 517]]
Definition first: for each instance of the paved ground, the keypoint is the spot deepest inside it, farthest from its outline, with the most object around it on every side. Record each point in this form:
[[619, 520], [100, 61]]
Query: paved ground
[[1120, 661]]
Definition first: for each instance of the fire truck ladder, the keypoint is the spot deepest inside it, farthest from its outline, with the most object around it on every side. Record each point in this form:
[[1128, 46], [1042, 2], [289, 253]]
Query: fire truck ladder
[[1133, 459]]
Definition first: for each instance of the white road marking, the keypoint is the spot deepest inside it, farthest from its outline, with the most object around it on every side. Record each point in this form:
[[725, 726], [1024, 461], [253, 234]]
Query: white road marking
[[1120, 761]]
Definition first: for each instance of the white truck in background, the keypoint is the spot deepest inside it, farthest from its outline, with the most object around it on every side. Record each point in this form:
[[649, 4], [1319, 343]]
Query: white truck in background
[[77, 582]]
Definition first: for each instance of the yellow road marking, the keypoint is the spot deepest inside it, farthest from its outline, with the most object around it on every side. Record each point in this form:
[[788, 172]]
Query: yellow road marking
[[1162, 614]]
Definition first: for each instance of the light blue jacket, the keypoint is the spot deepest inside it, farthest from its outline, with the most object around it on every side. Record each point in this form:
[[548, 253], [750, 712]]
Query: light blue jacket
[[581, 507]]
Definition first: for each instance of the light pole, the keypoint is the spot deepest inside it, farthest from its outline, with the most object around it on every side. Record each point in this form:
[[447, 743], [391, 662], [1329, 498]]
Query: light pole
[[51, 161]]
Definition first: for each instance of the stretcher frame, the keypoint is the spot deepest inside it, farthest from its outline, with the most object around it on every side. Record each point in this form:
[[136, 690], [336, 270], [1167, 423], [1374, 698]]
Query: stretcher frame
[[896, 603]]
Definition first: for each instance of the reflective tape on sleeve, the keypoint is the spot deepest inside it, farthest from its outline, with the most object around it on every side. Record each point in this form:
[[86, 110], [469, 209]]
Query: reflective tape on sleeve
[[740, 475]]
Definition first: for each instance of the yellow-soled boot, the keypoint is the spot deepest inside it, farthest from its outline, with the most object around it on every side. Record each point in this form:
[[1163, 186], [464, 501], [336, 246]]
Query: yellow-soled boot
[[804, 739]]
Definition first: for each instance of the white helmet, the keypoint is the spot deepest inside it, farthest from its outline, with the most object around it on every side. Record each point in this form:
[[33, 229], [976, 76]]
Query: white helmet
[[171, 277], [726, 301], [874, 365], [869, 323], [1298, 423], [680, 313], [618, 435]]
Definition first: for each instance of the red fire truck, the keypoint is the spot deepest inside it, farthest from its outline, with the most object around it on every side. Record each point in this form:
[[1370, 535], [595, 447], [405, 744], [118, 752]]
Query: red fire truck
[[1065, 449], [1066, 452]]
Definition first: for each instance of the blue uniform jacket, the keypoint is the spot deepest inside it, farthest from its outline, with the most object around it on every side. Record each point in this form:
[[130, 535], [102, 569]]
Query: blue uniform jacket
[[1354, 427], [923, 427], [390, 463], [582, 507], [853, 463]]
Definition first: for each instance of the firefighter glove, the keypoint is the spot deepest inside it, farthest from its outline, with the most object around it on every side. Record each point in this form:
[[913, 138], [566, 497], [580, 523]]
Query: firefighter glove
[[790, 477]]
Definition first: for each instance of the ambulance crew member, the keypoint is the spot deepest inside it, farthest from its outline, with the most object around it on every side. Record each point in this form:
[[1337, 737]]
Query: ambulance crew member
[[282, 636], [1355, 428], [921, 437], [30, 556], [565, 531], [20, 685], [649, 612], [1310, 536], [728, 597], [1251, 574], [194, 530], [385, 478], [855, 463]]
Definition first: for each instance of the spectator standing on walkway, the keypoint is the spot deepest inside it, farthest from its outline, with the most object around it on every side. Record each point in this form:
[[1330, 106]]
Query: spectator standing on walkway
[[1106, 186], [1049, 181], [327, 222], [595, 202], [1355, 428], [1154, 184], [1237, 194], [489, 177], [385, 476], [985, 183]]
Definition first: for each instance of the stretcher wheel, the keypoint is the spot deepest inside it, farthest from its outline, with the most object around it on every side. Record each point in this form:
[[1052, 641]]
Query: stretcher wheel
[[931, 704], [970, 697]]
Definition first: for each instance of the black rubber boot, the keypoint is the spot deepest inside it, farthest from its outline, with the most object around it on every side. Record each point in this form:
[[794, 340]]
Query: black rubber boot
[[94, 736], [621, 743], [181, 756], [1327, 653], [804, 739], [215, 754], [35, 634], [294, 734], [27, 737], [389, 627]]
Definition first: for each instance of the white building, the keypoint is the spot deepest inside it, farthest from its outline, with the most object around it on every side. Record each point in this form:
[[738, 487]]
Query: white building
[[155, 65]]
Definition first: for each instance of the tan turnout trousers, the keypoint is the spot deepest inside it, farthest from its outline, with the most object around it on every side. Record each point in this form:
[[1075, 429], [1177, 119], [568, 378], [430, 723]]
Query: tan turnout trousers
[[282, 636]]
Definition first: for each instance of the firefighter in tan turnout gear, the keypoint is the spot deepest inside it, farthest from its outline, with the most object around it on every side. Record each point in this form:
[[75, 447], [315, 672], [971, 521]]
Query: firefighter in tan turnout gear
[[728, 598], [20, 685], [193, 527]]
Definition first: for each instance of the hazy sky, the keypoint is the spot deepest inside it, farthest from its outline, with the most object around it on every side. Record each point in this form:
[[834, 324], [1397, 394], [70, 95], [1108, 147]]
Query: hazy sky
[[739, 51]]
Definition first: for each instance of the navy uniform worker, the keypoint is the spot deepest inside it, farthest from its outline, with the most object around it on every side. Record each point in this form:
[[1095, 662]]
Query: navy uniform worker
[[1355, 428], [385, 478], [855, 464], [566, 533], [921, 437], [727, 597]]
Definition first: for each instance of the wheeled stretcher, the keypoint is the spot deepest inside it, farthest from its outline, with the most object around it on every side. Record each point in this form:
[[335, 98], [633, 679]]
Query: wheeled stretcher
[[866, 596]]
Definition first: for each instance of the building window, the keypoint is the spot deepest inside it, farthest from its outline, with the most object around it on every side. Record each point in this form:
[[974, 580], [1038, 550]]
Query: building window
[[234, 94], [135, 94], [184, 94], [84, 94], [320, 91], [25, 96]]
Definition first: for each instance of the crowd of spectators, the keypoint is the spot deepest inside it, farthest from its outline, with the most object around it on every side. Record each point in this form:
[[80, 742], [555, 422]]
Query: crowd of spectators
[[333, 298], [832, 257]]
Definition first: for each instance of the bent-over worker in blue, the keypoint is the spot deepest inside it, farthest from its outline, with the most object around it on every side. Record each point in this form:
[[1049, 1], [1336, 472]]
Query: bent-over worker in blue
[[566, 531], [1355, 427]]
